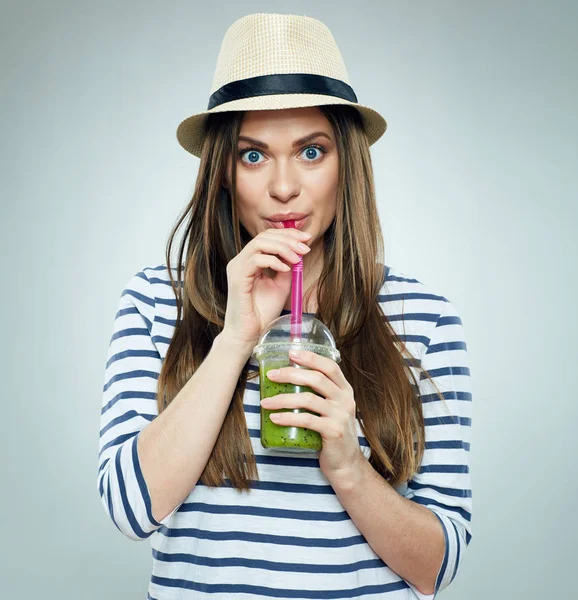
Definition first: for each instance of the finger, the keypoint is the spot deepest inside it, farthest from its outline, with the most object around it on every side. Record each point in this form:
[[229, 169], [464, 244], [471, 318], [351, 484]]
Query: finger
[[264, 261], [313, 379], [323, 364], [290, 250], [306, 420], [305, 400]]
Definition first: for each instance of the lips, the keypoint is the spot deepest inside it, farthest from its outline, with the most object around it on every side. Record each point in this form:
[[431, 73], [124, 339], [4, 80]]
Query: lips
[[279, 224], [293, 216]]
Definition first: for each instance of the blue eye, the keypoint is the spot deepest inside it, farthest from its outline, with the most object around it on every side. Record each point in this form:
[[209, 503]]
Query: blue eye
[[310, 149], [253, 154]]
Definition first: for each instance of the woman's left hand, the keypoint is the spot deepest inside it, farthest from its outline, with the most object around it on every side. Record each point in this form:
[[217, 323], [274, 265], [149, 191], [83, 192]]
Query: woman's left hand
[[336, 423]]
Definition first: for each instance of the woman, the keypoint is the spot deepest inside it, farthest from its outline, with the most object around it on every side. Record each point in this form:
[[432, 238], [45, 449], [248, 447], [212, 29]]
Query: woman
[[384, 509]]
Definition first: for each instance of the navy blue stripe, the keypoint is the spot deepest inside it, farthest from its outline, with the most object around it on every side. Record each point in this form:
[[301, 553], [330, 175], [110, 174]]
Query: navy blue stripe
[[167, 301], [425, 501], [449, 395], [443, 346], [449, 320], [444, 566], [267, 565], [110, 508], [132, 354], [278, 486], [468, 537], [451, 420], [138, 296], [145, 319], [259, 511], [133, 310], [427, 317], [409, 296], [171, 322], [128, 415], [165, 282], [448, 445], [128, 396], [411, 361], [130, 375], [446, 491], [287, 461], [101, 485], [445, 469], [410, 337], [118, 440], [161, 339], [160, 268], [129, 310], [261, 538], [403, 279], [131, 331], [267, 592], [127, 508], [103, 464], [459, 543], [141, 483], [443, 371]]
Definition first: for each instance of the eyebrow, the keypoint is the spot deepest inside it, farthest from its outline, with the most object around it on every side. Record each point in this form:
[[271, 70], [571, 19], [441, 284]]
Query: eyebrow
[[298, 142]]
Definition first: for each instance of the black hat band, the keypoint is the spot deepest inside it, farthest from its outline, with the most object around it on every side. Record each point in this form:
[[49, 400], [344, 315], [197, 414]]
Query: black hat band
[[287, 83]]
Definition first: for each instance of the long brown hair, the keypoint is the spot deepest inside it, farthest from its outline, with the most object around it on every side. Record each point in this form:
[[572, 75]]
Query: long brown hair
[[375, 360]]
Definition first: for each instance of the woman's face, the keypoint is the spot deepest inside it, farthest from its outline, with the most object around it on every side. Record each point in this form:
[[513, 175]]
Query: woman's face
[[276, 176]]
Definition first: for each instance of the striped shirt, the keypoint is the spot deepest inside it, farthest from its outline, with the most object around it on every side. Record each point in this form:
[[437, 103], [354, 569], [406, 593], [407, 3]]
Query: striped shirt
[[289, 537]]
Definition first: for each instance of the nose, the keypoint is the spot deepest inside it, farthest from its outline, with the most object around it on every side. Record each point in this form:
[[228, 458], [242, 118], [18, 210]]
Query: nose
[[284, 183]]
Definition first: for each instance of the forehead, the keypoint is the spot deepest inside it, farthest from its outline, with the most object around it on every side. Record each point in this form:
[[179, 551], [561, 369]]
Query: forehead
[[293, 121]]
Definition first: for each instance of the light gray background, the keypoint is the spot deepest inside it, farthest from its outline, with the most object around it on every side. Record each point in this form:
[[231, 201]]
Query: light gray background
[[477, 195]]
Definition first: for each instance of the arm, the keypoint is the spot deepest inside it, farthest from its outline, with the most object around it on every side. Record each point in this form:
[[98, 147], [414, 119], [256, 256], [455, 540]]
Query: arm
[[422, 534], [149, 463]]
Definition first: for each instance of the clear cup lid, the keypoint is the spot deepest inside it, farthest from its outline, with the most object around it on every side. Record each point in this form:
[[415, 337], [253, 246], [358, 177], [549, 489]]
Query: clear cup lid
[[312, 335]]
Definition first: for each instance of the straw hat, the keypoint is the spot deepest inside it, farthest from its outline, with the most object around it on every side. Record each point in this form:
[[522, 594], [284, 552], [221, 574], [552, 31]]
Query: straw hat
[[274, 61]]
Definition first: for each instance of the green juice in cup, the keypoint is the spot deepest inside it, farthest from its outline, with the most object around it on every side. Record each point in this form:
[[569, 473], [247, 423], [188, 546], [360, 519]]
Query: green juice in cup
[[274, 435], [272, 352]]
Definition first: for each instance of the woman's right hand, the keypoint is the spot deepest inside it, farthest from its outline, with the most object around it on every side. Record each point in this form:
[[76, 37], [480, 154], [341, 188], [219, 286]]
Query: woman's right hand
[[254, 299]]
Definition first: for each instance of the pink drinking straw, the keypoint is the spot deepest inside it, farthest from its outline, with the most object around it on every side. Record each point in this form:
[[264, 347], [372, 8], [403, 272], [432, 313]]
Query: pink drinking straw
[[296, 293]]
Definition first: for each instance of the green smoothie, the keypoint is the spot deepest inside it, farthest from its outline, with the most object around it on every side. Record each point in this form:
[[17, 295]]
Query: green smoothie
[[278, 436]]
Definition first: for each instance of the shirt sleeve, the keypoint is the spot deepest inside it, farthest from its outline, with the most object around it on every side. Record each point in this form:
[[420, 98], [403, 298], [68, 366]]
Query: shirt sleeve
[[129, 404], [443, 483]]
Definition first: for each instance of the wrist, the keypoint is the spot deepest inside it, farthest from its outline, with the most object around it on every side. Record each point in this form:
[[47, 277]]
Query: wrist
[[347, 479], [234, 344]]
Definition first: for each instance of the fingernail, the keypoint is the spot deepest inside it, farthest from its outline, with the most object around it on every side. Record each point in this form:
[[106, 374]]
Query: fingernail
[[273, 373]]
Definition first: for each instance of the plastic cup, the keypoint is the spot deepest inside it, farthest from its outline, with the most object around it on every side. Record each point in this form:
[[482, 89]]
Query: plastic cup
[[272, 352]]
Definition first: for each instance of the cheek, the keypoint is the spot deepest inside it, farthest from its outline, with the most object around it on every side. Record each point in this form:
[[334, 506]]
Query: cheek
[[249, 184], [325, 190], [248, 194], [327, 178]]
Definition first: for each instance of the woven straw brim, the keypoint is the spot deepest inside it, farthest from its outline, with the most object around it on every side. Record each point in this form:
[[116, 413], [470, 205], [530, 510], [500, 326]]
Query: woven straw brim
[[190, 132]]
